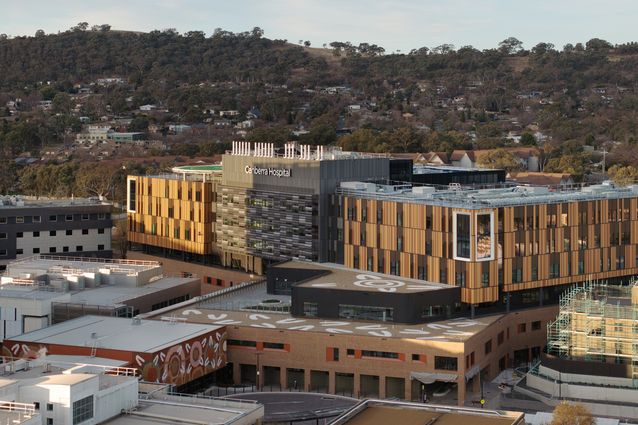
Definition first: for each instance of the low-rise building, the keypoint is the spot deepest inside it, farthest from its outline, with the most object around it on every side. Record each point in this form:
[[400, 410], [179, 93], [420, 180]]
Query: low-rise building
[[80, 227], [351, 332], [42, 290], [69, 390], [168, 352]]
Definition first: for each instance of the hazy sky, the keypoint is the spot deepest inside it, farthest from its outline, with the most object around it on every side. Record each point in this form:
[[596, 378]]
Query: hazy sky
[[398, 24]]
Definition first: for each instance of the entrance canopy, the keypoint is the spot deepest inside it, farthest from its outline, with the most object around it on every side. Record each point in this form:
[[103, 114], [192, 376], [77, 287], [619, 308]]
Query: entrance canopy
[[471, 373], [430, 378]]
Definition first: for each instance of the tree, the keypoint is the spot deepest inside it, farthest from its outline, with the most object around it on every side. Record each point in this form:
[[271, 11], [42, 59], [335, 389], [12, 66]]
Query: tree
[[62, 103], [306, 43], [139, 123], [623, 176], [120, 237], [499, 158], [48, 92], [97, 181], [542, 48], [573, 164], [82, 26], [528, 139], [257, 32], [510, 45], [572, 414], [39, 33], [598, 44], [443, 49]]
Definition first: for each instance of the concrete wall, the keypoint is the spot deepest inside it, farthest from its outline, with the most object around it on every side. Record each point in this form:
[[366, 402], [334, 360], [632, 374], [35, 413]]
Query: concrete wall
[[600, 401], [89, 242], [110, 401], [175, 267], [19, 315]]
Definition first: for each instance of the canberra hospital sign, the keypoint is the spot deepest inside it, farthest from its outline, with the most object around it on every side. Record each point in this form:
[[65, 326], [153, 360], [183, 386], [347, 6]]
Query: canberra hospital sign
[[274, 172]]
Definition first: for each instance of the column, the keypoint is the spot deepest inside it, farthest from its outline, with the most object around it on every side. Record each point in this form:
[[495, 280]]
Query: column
[[357, 385], [236, 372], [283, 383], [306, 380], [461, 390], [381, 386], [332, 379]]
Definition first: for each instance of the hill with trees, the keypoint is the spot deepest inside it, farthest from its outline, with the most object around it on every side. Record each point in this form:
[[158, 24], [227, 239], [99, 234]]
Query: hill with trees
[[577, 104]]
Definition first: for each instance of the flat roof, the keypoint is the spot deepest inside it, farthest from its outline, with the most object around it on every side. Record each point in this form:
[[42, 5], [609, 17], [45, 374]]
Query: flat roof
[[488, 198], [17, 202], [198, 168], [58, 264], [169, 409], [343, 278], [230, 310], [8, 291], [116, 295], [377, 412], [115, 333]]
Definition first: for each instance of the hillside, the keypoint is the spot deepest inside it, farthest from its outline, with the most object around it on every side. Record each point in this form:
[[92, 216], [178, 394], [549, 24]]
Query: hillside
[[233, 86]]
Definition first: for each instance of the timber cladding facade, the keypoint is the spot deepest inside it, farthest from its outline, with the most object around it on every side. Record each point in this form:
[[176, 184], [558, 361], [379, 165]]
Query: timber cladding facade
[[173, 214], [529, 251]]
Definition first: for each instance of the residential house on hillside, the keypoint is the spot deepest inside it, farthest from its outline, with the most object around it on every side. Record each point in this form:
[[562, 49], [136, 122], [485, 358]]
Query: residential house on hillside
[[528, 158], [437, 158]]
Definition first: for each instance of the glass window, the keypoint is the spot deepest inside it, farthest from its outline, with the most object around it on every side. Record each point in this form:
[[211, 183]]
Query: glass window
[[488, 347], [19, 219], [310, 309], [3, 220], [242, 343], [19, 234], [36, 250], [361, 312], [53, 218], [36, 234], [274, 345], [52, 233], [445, 363], [69, 217], [37, 219], [82, 410], [462, 236], [131, 195], [3, 235], [382, 354], [69, 232], [85, 231], [484, 237]]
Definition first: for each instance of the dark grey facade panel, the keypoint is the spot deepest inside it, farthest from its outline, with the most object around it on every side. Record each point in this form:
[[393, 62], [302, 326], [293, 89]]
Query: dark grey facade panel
[[407, 308]]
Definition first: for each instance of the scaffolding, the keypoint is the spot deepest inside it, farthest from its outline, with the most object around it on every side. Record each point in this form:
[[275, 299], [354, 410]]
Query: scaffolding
[[597, 322]]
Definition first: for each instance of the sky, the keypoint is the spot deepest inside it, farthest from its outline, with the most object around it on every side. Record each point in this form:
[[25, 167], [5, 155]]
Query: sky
[[393, 24]]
